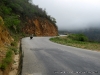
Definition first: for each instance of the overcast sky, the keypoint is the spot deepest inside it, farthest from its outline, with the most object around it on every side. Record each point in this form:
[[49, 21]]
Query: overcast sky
[[72, 14]]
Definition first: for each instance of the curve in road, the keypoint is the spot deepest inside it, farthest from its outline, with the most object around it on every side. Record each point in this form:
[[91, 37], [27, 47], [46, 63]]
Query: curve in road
[[43, 57]]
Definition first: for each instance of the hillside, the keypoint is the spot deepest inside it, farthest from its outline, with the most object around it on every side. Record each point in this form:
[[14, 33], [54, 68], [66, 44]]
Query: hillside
[[21, 18], [5, 38], [40, 27], [5, 41]]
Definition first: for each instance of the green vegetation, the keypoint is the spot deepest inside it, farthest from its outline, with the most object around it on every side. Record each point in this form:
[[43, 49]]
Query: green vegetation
[[9, 56], [93, 33], [7, 60], [12, 22], [13, 16], [15, 13], [78, 37], [14, 49], [77, 40]]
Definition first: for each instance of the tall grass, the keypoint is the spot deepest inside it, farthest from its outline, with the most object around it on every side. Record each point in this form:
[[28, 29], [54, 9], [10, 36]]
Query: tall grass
[[78, 37]]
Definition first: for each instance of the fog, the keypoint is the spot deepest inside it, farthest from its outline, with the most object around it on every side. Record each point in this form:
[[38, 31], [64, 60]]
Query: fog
[[72, 14]]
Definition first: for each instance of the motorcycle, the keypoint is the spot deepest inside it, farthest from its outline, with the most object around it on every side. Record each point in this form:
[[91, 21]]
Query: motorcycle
[[31, 37]]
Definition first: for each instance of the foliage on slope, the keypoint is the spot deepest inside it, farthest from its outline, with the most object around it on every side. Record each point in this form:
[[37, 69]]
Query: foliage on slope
[[18, 18], [5, 38], [5, 42], [16, 12]]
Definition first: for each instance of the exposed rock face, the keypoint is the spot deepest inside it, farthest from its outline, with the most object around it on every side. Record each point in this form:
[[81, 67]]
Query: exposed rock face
[[5, 38], [40, 27]]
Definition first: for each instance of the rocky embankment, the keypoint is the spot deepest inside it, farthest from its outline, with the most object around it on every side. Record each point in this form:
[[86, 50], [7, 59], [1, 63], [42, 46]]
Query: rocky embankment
[[5, 38], [5, 41], [40, 27]]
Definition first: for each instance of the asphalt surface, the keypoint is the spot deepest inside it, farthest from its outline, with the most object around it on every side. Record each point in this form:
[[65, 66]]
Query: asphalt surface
[[43, 57]]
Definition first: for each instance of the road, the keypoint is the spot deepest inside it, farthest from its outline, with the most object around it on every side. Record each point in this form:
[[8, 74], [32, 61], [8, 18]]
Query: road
[[43, 57]]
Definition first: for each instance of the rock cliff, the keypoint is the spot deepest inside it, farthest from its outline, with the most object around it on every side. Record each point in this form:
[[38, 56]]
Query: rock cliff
[[40, 27]]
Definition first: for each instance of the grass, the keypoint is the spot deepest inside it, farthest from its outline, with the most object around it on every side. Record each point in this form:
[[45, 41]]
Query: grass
[[9, 56], [7, 60], [14, 49], [10, 51], [66, 40]]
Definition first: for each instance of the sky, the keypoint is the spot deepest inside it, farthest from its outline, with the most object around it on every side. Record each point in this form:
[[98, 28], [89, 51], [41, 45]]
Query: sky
[[72, 14]]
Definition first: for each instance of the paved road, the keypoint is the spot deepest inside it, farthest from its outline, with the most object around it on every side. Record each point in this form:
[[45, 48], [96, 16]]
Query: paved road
[[42, 57]]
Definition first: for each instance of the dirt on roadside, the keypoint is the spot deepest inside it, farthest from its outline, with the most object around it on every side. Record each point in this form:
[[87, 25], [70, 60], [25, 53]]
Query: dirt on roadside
[[15, 65], [2, 56], [12, 69]]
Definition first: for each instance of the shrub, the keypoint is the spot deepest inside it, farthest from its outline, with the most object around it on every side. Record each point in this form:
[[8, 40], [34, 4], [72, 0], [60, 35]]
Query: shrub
[[78, 37], [12, 22], [7, 60], [14, 49]]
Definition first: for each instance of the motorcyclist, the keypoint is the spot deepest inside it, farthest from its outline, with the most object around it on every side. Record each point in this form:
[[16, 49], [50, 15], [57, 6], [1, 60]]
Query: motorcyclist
[[31, 36]]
